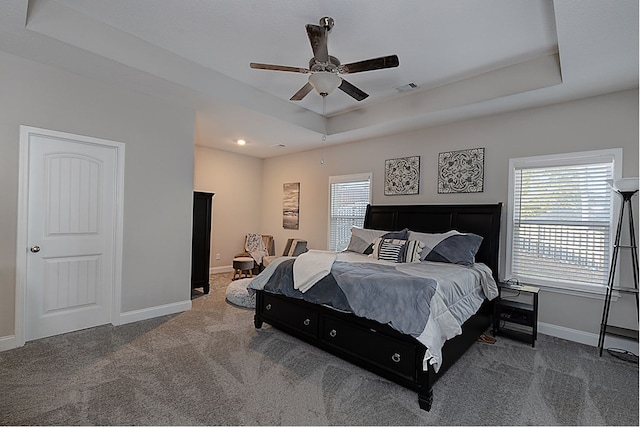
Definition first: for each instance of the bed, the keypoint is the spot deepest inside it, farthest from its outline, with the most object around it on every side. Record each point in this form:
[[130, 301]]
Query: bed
[[390, 349]]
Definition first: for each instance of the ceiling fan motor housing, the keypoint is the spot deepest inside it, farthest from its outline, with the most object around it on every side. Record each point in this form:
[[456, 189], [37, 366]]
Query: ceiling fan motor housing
[[333, 66]]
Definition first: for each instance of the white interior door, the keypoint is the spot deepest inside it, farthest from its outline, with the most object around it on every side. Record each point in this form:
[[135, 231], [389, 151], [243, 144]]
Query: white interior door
[[72, 216]]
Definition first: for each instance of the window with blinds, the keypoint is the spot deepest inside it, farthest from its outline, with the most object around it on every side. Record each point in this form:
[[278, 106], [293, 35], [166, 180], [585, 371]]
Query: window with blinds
[[561, 218], [349, 196]]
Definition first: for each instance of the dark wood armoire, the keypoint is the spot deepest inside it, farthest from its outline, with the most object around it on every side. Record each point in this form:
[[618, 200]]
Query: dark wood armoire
[[201, 240]]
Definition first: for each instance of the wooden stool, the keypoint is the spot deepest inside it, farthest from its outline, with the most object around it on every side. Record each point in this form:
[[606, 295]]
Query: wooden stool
[[242, 265]]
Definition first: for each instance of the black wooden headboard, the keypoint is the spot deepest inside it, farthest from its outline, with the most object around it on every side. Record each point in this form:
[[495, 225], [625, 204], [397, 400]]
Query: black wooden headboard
[[483, 220]]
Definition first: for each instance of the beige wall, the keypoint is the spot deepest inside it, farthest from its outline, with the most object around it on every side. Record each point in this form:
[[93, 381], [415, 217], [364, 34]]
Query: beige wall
[[158, 175], [236, 181], [595, 123], [160, 178]]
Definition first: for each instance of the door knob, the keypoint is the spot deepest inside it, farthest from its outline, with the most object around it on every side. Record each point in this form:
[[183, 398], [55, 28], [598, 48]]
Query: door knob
[[35, 249]]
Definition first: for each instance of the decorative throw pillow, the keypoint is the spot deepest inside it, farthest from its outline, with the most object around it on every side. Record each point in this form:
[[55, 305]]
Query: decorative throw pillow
[[452, 247], [362, 238], [389, 249], [413, 250], [397, 250]]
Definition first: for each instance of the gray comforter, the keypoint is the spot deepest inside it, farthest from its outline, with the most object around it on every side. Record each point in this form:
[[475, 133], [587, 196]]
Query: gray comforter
[[373, 291], [427, 300]]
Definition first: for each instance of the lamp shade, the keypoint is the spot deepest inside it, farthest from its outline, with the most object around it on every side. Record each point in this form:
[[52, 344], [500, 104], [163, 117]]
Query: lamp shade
[[624, 185], [324, 82]]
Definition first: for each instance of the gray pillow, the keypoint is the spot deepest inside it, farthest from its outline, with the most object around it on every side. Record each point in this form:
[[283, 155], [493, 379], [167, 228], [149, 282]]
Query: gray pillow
[[452, 247], [362, 238], [402, 234]]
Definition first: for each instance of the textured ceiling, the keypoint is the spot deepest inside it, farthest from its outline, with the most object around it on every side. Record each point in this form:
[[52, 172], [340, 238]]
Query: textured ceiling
[[467, 58]]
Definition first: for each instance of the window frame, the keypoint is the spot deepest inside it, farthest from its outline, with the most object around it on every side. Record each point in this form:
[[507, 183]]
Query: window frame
[[337, 179], [566, 286]]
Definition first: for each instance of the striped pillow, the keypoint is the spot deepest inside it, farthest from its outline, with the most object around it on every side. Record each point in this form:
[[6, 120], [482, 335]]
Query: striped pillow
[[397, 250], [388, 249], [413, 251]]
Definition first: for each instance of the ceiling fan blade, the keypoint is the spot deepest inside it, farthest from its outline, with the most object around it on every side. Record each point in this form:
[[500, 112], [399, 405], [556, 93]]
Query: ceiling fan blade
[[318, 39], [371, 64], [304, 90], [352, 91], [279, 68]]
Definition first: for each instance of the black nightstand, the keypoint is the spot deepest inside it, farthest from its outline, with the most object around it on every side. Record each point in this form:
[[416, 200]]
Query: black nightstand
[[508, 311]]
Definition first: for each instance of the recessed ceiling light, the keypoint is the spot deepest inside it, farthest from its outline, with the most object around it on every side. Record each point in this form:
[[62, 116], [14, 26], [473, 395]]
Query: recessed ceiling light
[[241, 142]]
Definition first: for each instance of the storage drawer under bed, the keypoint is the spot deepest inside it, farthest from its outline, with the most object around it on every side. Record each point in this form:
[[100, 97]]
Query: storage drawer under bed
[[370, 345], [289, 315]]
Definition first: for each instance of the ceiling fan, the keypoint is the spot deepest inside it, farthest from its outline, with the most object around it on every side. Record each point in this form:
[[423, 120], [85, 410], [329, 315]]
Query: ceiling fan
[[325, 70]]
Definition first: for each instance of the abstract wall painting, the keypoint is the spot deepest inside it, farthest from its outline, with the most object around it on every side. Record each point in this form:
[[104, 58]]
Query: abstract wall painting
[[291, 206], [402, 176], [461, 171]]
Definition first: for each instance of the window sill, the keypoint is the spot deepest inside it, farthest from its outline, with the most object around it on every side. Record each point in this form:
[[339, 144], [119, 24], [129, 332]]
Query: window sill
[[584, 291]]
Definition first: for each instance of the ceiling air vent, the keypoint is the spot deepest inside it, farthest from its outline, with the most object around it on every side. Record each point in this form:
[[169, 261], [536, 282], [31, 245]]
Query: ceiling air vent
[[406, 88]]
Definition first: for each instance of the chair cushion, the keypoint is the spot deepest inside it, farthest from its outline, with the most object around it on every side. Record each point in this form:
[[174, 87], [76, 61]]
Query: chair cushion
[[243, 263]]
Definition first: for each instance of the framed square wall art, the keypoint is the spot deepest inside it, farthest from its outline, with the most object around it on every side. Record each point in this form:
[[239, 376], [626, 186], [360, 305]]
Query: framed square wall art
[[461, 171], [402, 176], [291, 206]]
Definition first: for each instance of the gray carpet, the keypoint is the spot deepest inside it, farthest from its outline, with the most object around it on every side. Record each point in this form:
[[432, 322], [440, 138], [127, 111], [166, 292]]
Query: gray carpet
[[210, 366]]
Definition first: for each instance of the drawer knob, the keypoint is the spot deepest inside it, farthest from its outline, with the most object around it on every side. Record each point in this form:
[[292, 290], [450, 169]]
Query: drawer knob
[[268, 307], [333, 333], [306, 322], [395, 357]]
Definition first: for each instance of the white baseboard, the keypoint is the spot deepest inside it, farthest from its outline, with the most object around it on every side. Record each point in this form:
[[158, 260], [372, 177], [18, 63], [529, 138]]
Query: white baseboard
[[587, 338], [7, 343], [151, 312], [222, 269]]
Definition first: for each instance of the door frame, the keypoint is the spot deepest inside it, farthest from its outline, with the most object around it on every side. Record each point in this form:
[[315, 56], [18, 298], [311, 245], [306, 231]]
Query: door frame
[[22, 236]]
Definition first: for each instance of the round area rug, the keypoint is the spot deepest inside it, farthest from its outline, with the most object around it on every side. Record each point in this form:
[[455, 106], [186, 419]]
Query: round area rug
[[237, 293]]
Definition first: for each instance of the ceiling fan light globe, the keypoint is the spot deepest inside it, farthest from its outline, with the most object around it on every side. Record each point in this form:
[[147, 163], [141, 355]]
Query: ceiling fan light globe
[[324, 82]]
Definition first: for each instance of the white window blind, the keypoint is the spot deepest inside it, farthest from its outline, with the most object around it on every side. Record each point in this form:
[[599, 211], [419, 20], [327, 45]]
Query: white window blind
[[562, 219], [349, 197]]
